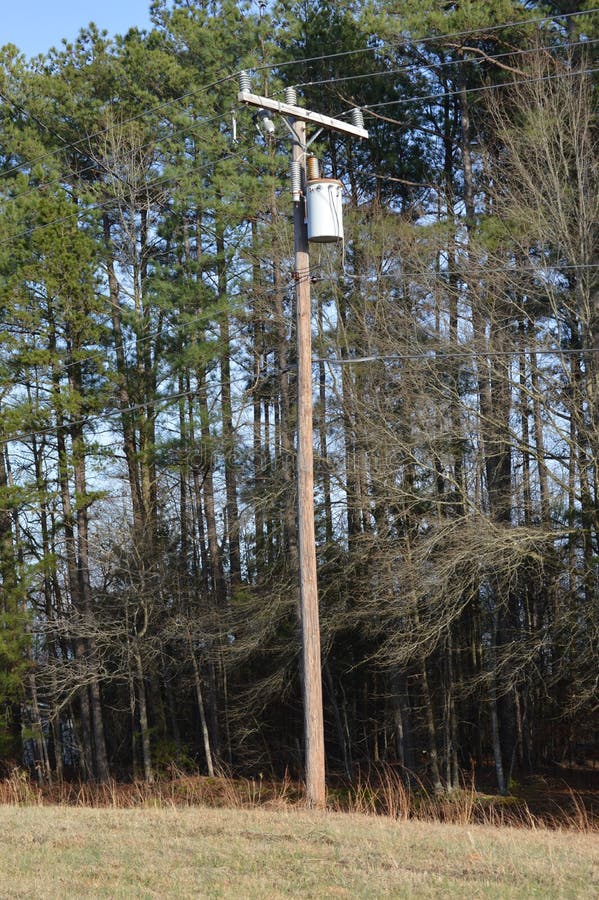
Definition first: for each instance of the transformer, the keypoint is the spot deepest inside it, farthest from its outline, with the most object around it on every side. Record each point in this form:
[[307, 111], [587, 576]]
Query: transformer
[[324, 210]]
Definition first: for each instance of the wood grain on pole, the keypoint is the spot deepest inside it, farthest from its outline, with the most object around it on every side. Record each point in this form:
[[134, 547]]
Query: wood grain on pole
[[312, 675]]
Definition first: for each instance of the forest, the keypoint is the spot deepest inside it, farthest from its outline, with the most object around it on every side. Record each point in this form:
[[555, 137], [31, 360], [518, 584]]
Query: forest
[[148, 530]]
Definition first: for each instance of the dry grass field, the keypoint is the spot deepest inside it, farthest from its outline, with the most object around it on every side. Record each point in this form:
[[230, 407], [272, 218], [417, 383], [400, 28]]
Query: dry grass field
[[62, 852]]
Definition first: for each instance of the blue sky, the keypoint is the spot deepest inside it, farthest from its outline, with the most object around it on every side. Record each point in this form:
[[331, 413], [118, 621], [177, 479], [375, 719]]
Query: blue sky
[[36, 25]]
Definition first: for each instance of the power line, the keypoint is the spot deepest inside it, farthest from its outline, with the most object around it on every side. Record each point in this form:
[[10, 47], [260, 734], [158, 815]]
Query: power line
[[120, 124], [287, 63], [93, 166], [170, 330], [441, 65], [491, 29], [164, 401], [440, 355], [429, 39], [487, 87], [453, 269], [109, 203], [404, 101], [53, 132], [92, 417], [375, 278], [426, 40], [203, 88]]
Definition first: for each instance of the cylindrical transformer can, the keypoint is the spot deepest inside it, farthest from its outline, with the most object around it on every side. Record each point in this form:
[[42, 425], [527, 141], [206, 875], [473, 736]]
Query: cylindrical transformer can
[[325, 210]]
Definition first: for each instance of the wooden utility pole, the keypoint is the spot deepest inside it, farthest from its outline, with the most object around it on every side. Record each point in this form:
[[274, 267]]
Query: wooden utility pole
[[312, 675], [296, 119]]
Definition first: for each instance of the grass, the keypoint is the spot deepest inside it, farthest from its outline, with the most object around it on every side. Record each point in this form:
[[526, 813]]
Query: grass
[[52, 852], [555, 805]]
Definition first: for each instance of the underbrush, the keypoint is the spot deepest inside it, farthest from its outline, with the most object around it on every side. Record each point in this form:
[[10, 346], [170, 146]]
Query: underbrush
[[387, 794], [384, 793], [177, 789]]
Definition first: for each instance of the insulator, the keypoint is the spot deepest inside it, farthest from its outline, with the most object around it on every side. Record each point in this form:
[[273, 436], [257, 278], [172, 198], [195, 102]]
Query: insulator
[[244, 83], [291, 96], [313, 168], [296, 180], [267, 123], [357, 117]]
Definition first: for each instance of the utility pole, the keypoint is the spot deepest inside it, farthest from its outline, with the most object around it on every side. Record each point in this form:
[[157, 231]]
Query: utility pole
[[308, 583], [295, 118]]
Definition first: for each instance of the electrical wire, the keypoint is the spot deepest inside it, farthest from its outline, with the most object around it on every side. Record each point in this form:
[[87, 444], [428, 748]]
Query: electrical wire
[[92, 417], [60, 179], [224, 79], [280, 65], [440, 355], [544, 269], [476, 90], [169, 331], [164, 401], [304, 60], [117, 410], [122, 123], [74, 145], [110, 203], [514, 23], [441, 65], [432, 273], [366, 108], [65, 144], [303, 275], [427, 39]]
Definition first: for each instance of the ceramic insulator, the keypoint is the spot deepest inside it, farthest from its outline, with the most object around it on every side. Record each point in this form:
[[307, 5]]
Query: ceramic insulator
[[296, 181], [244, 83], [291, 96], [357, 117]]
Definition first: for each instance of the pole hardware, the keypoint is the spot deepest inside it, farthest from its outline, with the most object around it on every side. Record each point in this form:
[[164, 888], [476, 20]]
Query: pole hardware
[[302, 115]]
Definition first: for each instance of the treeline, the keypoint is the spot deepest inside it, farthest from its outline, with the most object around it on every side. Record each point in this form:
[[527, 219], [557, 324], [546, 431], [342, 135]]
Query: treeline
[[149, 564]]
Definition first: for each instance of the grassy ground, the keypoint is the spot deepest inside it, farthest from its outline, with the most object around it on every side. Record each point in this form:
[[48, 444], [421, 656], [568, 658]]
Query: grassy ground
[[52, 852]]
